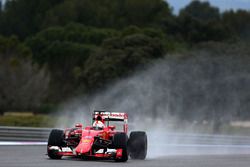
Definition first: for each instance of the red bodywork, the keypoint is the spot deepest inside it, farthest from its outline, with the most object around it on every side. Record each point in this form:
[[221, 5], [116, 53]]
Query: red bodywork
[[93, 142]]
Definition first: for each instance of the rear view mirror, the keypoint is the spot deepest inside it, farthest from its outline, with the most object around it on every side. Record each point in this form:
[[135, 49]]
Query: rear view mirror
[[112, 127], [78, 125]]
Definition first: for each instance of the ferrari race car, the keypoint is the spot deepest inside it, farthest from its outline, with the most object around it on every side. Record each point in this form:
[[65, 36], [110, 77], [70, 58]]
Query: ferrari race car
[[101, 140]]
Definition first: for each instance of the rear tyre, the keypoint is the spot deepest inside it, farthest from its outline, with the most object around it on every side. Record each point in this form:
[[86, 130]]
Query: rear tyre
[[55, 139], [137, 145], [120, 142]]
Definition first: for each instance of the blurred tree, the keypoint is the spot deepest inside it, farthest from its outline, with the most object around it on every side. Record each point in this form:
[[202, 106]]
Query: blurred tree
[[61, 14], [1, 3], [64, 50], [238, 23], [201, 11], [146, 12], [109, 13], [199, 21], [23, 86], [119, 57], [24, 17]]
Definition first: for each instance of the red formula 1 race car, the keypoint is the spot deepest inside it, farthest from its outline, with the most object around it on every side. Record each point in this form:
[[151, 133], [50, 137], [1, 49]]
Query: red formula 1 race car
[[101, 140]]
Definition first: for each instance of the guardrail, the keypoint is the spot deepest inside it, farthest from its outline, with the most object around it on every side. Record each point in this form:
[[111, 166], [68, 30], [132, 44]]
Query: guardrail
[[41, 134], [23, 134], [202, 139]]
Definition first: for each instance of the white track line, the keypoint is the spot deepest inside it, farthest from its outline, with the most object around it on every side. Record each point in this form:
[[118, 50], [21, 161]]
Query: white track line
[[20, 143], [200, 145]]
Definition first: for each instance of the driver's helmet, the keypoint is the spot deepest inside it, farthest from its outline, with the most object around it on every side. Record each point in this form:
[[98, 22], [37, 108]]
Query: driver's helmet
[[98, 124]]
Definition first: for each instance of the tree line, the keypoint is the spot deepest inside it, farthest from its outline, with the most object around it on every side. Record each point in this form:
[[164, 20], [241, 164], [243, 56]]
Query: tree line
[[53, 50]]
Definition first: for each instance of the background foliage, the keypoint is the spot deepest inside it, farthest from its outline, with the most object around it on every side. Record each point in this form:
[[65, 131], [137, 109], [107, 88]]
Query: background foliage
[[53, 50]]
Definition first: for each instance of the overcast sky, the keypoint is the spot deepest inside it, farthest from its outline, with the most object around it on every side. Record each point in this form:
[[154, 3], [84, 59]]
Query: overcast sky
[[222, 4]]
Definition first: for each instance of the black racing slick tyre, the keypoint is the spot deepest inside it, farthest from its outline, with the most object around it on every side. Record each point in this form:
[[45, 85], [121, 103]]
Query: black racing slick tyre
[[120, 142], [55, 139], [137, 145]]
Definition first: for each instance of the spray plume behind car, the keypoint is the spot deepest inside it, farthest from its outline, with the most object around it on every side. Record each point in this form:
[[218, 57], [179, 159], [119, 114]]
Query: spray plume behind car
[[185, 96]]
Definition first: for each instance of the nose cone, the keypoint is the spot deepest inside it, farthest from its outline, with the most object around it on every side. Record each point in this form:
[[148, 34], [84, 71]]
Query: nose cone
[[84, 146]]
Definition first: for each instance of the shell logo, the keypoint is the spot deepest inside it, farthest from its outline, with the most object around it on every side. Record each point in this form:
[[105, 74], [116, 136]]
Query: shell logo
[[86, 140], [104, 135]]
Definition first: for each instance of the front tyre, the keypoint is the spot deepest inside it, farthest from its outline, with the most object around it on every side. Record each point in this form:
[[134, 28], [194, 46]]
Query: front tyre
[[137, 145], [55, 139], [120, 142]]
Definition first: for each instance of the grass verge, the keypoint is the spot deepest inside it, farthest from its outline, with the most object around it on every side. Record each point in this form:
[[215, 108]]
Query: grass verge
[[27, 120]]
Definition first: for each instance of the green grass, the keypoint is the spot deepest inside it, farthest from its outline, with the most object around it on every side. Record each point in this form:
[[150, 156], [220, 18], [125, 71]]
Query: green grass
[[232, 130], [29, 121]]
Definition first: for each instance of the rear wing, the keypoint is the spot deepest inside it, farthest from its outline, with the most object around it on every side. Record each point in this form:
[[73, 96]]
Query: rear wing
[[111, 116]]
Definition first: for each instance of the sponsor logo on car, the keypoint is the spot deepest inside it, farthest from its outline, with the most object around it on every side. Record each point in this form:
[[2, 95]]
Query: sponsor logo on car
[[86, 140]]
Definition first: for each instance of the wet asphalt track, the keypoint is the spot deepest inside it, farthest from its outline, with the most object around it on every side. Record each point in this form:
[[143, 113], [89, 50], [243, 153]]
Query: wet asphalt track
[[34, 156]]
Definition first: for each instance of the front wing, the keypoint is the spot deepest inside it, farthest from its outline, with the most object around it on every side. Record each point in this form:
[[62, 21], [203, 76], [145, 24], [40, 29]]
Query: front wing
[[102, 153]]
